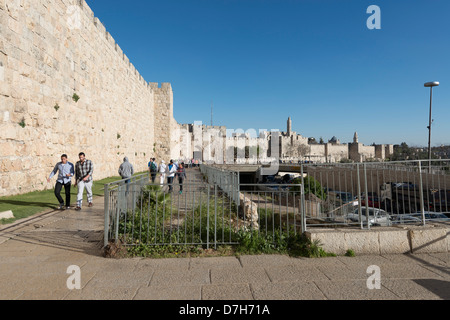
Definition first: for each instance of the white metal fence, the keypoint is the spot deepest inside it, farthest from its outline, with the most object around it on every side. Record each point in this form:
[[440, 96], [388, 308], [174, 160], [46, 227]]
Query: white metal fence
[[403, 192], [212, 210]]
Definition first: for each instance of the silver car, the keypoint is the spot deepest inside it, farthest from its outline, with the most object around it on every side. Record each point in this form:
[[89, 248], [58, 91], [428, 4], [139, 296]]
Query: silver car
[[377, 217], [405, 219], [432, 216]]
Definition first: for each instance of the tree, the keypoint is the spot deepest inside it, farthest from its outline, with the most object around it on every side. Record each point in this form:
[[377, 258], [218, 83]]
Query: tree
[[311, 185]]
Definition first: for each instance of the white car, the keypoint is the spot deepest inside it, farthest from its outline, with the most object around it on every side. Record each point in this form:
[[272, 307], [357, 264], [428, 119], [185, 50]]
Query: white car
[[377, 217], [432, 216], [405, 219]]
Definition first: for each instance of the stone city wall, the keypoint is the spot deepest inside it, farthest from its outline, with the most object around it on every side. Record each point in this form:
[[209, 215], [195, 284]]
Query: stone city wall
[[336, 152], [49, 51]]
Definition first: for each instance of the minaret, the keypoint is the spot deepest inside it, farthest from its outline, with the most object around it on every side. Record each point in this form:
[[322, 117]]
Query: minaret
[[289, 126], [355, 138]]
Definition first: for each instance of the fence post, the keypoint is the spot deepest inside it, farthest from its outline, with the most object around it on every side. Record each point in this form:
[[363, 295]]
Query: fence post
[[207, 218], [120, 203], [359, 196], [302, 202], [106, 204], [422, 206], [215, 216], [367, 197]]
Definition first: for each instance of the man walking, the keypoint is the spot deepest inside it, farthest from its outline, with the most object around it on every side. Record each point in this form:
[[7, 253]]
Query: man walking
[[83, 179], [65, 171], [126, 170], [171, 170], [153, 168]]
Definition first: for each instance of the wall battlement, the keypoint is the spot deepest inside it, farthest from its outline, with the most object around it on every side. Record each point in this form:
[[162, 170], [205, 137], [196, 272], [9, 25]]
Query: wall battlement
[[85, 9]]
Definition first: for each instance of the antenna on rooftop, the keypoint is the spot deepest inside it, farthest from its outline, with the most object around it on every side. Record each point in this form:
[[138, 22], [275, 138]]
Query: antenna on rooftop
[[212, 113]]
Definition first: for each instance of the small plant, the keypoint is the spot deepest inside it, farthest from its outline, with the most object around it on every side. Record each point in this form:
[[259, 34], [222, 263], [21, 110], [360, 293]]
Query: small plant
[[103, 130], [118, 136], [22, 123], [75, 97], [56, 107], [350, 253]]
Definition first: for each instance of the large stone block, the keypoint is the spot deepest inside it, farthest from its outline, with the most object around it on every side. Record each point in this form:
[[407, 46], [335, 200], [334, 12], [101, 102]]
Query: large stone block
[[331, 240], [6, 215], [393, 241], [363, 241], [428, 239]]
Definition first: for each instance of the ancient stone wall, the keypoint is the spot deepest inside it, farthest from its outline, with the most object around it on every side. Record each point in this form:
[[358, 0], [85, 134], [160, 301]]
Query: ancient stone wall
[[165, 128], [336, 152], [51, 52]]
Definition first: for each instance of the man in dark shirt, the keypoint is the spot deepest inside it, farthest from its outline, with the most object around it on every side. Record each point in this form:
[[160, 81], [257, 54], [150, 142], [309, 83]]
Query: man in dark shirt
[[153, 168]]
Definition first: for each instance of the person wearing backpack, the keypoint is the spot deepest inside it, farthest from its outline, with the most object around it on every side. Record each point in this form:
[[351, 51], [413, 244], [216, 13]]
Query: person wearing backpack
[[153, 168]]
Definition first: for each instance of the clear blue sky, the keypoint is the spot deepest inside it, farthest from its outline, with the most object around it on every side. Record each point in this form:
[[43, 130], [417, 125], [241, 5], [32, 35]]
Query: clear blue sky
[[261, 61]]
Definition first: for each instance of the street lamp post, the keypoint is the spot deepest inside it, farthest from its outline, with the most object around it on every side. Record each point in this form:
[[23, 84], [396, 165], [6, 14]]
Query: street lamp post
[[430, 85]]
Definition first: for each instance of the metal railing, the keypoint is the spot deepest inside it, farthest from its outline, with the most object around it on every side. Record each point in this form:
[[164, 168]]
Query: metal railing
[[120, 196], [202, 214], [215, 208], [227, 180], [401, 192]]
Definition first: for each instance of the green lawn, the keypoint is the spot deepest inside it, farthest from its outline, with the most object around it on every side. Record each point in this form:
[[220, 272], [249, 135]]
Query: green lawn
[[26, 205]]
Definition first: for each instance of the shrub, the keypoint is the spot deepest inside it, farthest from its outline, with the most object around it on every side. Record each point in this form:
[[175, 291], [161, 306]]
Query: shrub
[[75, 97], [311, 185]]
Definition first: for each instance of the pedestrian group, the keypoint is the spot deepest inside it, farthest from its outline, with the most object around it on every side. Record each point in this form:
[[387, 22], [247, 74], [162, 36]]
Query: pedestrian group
[[82, 171], [84, 168]]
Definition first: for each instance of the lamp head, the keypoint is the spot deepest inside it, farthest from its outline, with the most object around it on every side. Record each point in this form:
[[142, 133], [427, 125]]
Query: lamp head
[[431, 84]]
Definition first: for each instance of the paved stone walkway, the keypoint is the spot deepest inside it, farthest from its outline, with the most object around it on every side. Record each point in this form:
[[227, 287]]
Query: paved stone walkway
[[35, 255]]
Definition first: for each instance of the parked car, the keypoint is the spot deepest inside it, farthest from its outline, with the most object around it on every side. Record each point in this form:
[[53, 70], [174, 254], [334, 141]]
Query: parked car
[[405, 219], [405, 185], [377, 217], [432, 216], [341, 195], [374, 201]]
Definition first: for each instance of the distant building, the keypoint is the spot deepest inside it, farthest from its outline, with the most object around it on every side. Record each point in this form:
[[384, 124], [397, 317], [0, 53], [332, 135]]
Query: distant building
[[212, 144]]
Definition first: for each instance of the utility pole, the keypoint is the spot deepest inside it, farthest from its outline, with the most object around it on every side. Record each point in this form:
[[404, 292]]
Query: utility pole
[[430, 85]]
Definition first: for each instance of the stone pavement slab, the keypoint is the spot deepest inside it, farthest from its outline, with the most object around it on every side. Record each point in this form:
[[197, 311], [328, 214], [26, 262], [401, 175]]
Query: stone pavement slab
[[287, 291]]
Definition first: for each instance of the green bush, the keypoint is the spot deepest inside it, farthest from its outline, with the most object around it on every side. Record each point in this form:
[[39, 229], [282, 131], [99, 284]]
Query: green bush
[[350, 253], [311, 185]]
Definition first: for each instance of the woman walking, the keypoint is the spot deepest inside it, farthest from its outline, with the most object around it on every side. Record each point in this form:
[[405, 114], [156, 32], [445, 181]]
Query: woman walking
[[162, 172], [181, 174]]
